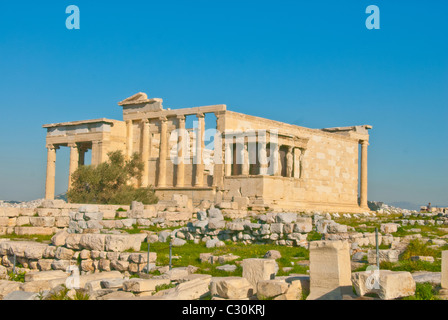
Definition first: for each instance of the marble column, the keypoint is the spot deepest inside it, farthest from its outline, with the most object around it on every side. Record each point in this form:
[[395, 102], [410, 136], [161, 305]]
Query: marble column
[[129, 138], [181, 146], [199, 178], [228, 154], [162, 152], [297, 163], [97, 152], [262, 153], [81, 155], [363, 191], [289, 162], [74, 162], [145, 154], [51, 172]]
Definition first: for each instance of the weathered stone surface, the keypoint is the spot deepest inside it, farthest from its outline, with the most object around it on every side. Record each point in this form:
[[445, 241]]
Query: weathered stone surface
[[59, 238], [273, 254], [388, 255], [227, 267], [189, 290], [45, 231], [444, 269], [116, 283], [73, 241], [255, 270], [142, 285], [35, 251], [117, 295], [20, 295], [426, 276], [178, 242], [119, 265], [45, 275], [233, 288], [303, 225], [64, 253], [271, 288], [330, 270], [123, 242], [98, 276], [286, 217], [6, 287], [389, 284], [93, 241], [389, 228]]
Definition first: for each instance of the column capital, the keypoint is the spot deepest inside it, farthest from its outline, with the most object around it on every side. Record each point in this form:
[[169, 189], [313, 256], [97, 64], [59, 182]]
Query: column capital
[[200, 115], [72, 145], [52, 147], [180, 117], [364, 142], [163, 119], [145, 121]]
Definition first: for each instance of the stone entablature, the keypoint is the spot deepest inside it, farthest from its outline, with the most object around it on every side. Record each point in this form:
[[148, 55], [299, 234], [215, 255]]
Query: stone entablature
[[269, 162]]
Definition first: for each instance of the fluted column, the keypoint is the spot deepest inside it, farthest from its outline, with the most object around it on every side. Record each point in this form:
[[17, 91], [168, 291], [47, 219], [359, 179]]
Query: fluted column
[[74, 162], [51, 172], [162, 152], [145, 153], [228, 156], [199, 179], [181, 146], [363, 191], [129, 138]]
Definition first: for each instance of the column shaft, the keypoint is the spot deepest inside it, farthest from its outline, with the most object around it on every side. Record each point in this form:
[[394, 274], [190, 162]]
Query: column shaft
[[129, 138], [199, 181], [363, 191], [162, 153], [181, 145], [74, 162], [51, 172], [145, 154]]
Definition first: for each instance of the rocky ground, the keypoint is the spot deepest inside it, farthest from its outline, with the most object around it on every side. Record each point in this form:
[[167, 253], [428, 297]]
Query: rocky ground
[[210, 252]]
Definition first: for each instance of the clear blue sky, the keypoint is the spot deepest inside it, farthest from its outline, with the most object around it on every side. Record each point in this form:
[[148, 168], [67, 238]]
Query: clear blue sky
[[311, 63]]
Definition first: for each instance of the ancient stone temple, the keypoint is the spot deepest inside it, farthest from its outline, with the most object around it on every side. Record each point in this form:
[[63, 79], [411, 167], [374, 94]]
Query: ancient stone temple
[[252, 162]]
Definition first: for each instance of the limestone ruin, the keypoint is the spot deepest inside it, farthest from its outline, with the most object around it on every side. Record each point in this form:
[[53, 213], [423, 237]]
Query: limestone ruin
[[257, 163]]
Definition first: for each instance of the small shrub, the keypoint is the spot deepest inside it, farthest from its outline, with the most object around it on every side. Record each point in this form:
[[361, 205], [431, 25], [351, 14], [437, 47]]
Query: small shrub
[[19, 277], [423, 291], [161, 287]]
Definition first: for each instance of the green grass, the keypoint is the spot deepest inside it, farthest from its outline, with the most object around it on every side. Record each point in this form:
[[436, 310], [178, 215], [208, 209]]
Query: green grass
[[423, 291], [33, 237], [189, 255], [417, 247], [19, 277], [161, 287], [411, 266]]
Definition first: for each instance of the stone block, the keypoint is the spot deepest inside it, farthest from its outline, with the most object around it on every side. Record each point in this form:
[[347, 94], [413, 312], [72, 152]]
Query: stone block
[[389, 228], [444, 283], [42, 221], [255, 270], [389, 255], [330, 270], [143, 285], [123, 242], [303, 225], [387, 284], [45, 275], [233, 288], [271, 288], [21, 231]]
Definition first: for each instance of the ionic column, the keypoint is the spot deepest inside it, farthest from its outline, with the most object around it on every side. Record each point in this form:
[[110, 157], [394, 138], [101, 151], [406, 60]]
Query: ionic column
[[297, 163], [145, 153], [363, 191], [162, 152], [51, 172], [81, 155], [129, 138], [228, 158], [289, 162], [97, 151], [181, 145], [200, 144], [74, 162]]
